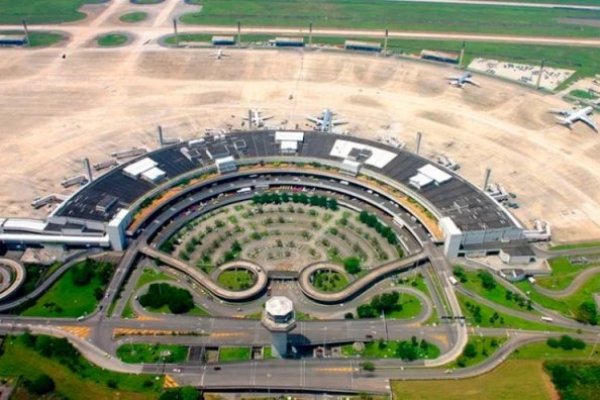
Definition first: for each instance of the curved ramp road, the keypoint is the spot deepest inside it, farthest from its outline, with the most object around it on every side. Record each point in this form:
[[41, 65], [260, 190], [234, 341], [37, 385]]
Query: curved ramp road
[[575, 285], [10, 284], [358, 285], [203, 279]]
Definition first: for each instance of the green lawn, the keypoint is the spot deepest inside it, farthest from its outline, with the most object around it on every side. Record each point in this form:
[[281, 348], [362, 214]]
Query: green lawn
[[583, 245], [236, 279], [112, 40], [411, 307], [502, 320], [133, 17], [41, 11], [152, 353], [514, 379], [65, 299], [234, 354], [388, 349], [38, 39], [499, 294], [583, 94], [362, 14], [150, 275], [484, 346], [563, 273], [329, 281], [541, 351], [565, 305], [86, 381], [196, 311]]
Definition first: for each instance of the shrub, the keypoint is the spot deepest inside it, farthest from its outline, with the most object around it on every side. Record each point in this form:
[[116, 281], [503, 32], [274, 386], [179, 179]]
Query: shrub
[[352, 265], [41, 385]]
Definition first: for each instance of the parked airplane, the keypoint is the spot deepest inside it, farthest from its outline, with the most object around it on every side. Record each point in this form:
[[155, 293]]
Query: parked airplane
[[462, 80], [570, 117], [220, 54], [255, 118], [326, 121]]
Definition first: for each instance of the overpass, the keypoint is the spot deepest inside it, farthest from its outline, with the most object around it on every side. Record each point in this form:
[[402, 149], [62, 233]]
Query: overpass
[[204, 280]]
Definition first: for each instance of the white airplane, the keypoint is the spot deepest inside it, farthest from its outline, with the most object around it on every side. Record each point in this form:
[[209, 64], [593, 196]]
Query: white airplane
[[255, 118], [462, 80], [570, 117], [326, 121], [220, 54]]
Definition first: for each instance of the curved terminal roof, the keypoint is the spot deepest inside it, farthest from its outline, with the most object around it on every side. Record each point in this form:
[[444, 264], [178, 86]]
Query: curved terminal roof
[[452, 196]]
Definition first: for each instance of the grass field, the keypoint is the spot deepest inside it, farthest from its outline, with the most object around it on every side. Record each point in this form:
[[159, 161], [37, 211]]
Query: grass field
[[329, 281], [387, 349], [65, 299], [42, 11], [133, 17], [152, 353], [411, 307], [150, 275], [563, 273], [502, 321], [19, 360], [498, 294], [361, 14], [586, 61], [236, 279], [583, 245], [565, 305], [112, 40], [234, 354], [541, 351], [485, 346], [504, 383]]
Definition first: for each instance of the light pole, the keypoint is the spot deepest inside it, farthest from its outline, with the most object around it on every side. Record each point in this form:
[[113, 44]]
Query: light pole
[[268, 385]]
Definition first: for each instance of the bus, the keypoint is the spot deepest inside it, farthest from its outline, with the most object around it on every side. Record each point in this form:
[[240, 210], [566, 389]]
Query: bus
[[245, 190], [547, 319], [453, 281]]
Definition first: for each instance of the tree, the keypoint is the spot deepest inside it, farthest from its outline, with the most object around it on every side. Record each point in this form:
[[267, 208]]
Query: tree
[[366, 311], [43, 384], [487, 280], [368, 366], [470, 350], [83, 273], [587, 313], [348, 315], [180, 393], [352, 265]]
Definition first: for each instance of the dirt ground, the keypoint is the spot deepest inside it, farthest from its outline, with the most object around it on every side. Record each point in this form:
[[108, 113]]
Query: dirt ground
[[57, 111]]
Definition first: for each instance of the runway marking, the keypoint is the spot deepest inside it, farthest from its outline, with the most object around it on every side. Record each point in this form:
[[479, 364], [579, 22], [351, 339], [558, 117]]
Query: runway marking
[[227, 334], [146, 318], [143, 332], [169, 382], [79, 331], [340, 369]]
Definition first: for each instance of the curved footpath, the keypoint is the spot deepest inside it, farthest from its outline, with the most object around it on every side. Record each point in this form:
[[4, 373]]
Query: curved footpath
[[358, 285], [204, 280]]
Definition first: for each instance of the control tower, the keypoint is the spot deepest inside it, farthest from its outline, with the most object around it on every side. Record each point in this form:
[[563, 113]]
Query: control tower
[[279, 319]]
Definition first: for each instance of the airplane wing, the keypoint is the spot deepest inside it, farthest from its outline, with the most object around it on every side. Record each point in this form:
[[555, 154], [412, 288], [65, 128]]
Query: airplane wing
[[339, 122], [472, 82], [564, 113], [315, 120], [266, 117], [589, 122]]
